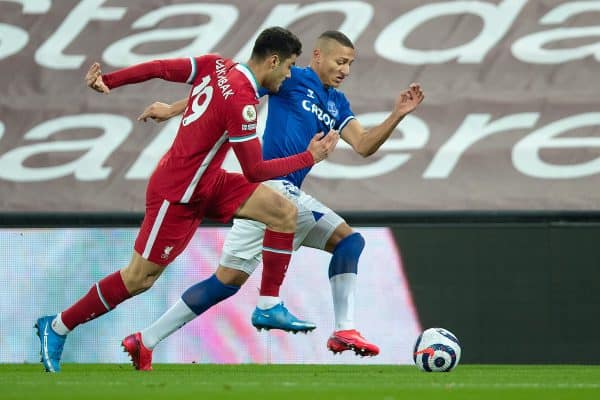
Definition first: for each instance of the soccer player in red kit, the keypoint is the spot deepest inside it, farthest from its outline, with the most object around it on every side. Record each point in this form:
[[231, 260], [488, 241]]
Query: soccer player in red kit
[[189, 184]]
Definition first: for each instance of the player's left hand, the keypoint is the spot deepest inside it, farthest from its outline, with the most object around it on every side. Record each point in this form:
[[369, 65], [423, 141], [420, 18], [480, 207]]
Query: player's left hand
[[409, 99], [321, 146]]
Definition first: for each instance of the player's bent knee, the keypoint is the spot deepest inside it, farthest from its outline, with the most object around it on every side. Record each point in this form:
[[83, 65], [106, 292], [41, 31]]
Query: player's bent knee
[[346, 254], [231, 276], [137, 284], [140, 275], [358, 241]]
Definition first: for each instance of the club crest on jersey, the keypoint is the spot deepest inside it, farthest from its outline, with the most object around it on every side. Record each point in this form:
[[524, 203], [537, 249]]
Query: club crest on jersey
[[249, 113], [332, 109], [166, 252]]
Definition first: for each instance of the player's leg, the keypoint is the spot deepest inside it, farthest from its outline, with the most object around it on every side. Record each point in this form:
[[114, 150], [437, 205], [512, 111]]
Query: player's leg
[[165, 231], [102, 297], [243, 248], [198, 298], [194, 301], [163, 236], [279, 216], [331, 233], [316, 223], [319, 227], [242, 251], [346, 247], [232, 194], [235, 196], [271, 218]]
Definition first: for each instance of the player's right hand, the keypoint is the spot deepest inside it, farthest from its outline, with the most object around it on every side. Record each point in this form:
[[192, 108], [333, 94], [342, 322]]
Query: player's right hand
[[93, 78], [157, 111], [321, 146]]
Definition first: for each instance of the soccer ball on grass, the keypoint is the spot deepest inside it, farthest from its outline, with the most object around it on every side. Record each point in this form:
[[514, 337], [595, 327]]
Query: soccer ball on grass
[[436, 350]]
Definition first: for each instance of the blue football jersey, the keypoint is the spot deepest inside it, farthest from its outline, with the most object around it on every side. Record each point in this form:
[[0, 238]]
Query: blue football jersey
[[302, 108]]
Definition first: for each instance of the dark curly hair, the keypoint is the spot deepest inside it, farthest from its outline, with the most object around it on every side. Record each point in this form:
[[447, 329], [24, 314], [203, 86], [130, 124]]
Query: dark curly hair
[[276, 40]]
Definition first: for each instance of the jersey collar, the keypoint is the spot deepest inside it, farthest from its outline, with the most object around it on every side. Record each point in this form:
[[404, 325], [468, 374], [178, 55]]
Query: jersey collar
[[315, 77], [244, 69]]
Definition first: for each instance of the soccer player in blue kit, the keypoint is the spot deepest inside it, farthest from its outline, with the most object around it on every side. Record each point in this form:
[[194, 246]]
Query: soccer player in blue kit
[[306, 103]]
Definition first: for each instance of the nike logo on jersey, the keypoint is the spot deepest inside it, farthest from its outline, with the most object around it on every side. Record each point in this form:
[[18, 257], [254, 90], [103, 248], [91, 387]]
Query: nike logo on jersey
[[319, 113]]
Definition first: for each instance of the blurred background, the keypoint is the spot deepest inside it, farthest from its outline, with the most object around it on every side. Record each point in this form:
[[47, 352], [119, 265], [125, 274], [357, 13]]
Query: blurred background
[[481, 212]]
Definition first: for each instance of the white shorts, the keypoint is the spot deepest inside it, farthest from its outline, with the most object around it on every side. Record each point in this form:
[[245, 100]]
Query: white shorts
[[243, 246]]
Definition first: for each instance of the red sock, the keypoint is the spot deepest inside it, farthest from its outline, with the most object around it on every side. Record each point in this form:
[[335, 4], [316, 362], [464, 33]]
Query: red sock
[[105, 295], [277, 251]]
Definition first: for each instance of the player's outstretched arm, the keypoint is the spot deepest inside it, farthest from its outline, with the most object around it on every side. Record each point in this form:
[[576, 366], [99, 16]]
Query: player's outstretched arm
[[366, 142], [174, 70], [160, 112]]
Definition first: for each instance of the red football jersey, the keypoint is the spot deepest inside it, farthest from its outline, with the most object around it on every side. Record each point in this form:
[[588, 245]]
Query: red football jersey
[[221, 112]]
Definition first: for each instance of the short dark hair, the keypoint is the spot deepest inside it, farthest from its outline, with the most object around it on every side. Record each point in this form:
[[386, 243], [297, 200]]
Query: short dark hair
[[338, 37], [276, 40]]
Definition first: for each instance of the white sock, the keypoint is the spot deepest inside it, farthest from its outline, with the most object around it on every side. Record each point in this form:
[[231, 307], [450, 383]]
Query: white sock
[[174, 318], [342, 291], [265, 302], [59, 326]]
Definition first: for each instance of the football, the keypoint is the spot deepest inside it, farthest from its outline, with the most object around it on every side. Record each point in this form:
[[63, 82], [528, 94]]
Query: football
[[436, 350]]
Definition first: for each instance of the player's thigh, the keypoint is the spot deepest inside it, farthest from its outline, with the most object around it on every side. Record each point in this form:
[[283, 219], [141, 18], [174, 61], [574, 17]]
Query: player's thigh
[[228, 192], [308, 209], [166, 230], [267, 206], [242, 249]]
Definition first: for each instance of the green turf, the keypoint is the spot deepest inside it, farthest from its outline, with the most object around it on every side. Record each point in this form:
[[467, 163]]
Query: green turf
[[307, 382]]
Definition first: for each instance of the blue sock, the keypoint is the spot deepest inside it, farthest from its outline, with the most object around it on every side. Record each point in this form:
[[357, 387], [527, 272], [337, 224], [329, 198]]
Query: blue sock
[[203, 295], [346, 254]]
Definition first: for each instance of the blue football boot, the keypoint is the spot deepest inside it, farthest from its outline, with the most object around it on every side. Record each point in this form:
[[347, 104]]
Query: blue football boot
[[278, 317], [51, 343]]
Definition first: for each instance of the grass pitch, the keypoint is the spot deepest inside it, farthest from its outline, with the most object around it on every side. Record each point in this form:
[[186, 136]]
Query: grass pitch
[[306, 382]]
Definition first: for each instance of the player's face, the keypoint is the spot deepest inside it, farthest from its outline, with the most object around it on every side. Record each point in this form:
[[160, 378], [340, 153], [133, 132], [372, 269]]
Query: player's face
[[282, 70], [334, 63]]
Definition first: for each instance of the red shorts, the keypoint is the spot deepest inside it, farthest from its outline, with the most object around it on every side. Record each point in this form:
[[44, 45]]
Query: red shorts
[[168, 227]]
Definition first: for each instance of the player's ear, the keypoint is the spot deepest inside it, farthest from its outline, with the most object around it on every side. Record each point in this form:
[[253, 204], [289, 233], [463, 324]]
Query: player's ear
[[274, 62], [317, 54]]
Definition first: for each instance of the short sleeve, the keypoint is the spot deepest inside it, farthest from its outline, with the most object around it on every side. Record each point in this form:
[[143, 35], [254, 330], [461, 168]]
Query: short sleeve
[[345, 113]]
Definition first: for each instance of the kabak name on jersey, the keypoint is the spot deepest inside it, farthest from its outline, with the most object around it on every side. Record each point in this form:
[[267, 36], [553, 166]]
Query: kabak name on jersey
[[222, 82]]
